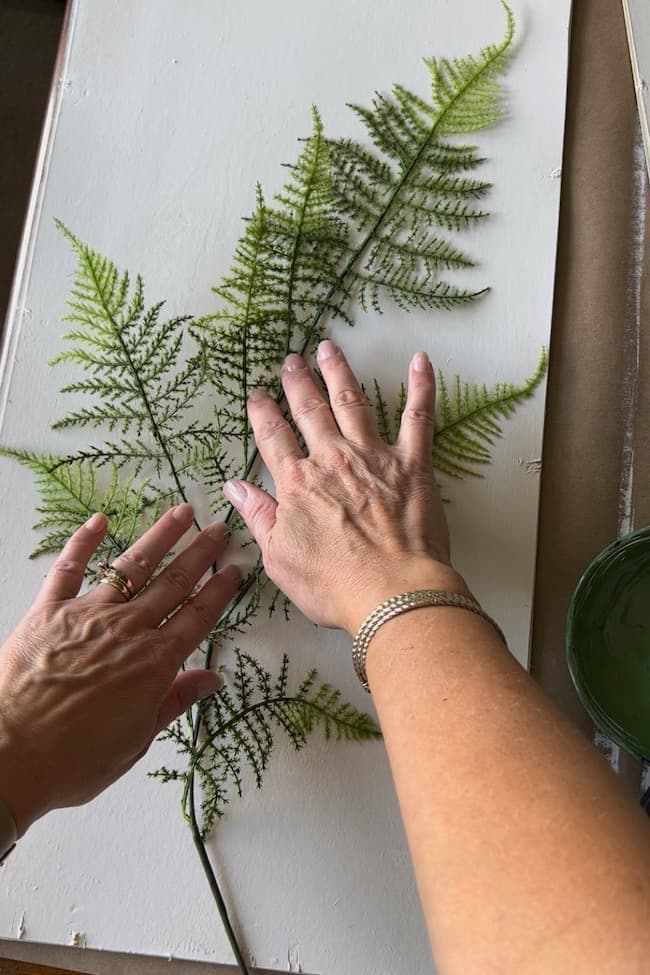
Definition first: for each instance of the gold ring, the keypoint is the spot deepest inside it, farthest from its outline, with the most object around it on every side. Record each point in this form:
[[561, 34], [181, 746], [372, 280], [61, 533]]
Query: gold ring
[[110, 576]]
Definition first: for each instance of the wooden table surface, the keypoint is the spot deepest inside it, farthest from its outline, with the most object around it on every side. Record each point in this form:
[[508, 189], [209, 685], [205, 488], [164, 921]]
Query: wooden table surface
[[9, 967]]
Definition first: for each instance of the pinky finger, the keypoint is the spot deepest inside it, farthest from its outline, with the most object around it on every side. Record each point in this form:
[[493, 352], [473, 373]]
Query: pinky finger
[[187, 688], [64, 579]]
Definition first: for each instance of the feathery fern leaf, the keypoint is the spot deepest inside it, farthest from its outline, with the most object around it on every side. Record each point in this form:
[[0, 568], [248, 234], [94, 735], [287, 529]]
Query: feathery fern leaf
[[398, 204], [283, 277], [239, 725], [134, 370], [469, 420], [70, 494]]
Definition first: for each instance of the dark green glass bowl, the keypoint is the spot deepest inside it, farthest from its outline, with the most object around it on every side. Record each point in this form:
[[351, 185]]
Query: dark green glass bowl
[[608, 642]]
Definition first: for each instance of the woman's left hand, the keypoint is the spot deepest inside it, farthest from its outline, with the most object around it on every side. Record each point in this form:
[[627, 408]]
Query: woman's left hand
[[87, 682]]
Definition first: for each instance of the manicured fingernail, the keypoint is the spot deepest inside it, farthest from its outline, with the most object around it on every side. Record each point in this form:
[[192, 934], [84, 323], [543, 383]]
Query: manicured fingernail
[[293, 362], [258, 394], [326, 350], [235, 491], [421, 362], [96, 522], [183, 513]]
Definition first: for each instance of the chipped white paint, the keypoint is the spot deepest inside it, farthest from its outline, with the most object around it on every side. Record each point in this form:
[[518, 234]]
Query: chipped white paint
[[556, 173], [21, 930], [77, 939], [533, 466], [293, 959], [637, 22], [156, 166]]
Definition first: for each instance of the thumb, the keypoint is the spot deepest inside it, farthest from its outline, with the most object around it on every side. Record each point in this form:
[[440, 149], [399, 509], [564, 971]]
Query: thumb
[[257, 508], [188, 687]]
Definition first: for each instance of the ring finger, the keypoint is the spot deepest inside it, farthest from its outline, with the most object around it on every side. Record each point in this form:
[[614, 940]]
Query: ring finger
[[139, 562]]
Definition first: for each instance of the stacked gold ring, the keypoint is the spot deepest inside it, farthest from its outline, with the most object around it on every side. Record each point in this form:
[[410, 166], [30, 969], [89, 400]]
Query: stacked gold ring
[[110, 576]]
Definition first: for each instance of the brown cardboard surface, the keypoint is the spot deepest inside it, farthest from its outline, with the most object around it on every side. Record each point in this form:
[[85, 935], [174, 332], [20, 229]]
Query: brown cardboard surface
[[584, 434]]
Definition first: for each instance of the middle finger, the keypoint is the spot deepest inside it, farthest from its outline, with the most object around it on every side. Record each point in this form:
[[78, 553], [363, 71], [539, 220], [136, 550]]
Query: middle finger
[[310, 411], [177, 580]]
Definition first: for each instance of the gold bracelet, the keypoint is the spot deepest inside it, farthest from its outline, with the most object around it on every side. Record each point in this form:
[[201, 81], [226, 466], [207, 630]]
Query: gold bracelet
[[402, 603]]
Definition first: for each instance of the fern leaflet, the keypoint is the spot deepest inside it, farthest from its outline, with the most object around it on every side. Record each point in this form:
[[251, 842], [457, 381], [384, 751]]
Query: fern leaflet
[[239, 725]]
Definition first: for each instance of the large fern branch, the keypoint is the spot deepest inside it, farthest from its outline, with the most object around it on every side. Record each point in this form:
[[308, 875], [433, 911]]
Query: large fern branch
[[397, 202], [239, 726], [134, 373]]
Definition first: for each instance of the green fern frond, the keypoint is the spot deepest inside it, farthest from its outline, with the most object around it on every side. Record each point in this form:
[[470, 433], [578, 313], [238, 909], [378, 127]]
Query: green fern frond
[[399, 203], [70, 493], [135, 372], [239, 725], [283, 276], [469, 420]]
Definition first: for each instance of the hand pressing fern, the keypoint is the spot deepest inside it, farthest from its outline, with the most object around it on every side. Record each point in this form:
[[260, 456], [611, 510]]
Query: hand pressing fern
[[164, 401]]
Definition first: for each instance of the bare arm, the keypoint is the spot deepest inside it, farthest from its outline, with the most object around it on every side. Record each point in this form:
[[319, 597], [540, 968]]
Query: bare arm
[[529, 857], [528, 854]]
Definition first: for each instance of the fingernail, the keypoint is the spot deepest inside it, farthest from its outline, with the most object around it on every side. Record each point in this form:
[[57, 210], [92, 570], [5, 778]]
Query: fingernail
[[96, 522], [293, 362], [183, 513], [216, 531], [258, 394], [231, 572], [217, 686], [236, 492], [421, 362], [326, 350]]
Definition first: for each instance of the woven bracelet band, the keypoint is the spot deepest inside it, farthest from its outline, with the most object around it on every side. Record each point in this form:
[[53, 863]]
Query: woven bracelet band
[[403, 603]]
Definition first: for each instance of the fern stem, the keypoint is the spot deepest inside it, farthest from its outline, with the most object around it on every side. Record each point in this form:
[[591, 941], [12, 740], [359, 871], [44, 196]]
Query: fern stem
[[297, 237], [213, 883]]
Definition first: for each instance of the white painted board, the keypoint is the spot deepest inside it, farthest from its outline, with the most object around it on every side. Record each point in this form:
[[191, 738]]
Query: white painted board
[[637, 22], [165, 116]]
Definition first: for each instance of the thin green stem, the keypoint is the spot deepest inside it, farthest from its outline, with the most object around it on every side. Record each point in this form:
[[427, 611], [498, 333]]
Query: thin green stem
[[215, 890]]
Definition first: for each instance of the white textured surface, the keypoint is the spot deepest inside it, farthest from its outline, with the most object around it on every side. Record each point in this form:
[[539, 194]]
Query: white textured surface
[[169, 113]]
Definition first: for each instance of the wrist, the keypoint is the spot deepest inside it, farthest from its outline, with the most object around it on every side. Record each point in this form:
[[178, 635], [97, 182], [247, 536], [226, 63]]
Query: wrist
[[17, 790], [404, 576]]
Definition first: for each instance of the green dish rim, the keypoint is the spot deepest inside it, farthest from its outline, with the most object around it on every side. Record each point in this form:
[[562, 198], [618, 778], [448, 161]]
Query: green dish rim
[[602, 720]]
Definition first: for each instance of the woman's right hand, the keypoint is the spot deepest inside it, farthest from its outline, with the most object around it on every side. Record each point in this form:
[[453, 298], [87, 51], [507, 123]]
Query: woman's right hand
[[356, 520]]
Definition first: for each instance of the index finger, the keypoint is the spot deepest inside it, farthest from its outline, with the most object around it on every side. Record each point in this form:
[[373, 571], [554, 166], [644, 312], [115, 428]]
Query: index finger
[[64, 579], [274, 437]]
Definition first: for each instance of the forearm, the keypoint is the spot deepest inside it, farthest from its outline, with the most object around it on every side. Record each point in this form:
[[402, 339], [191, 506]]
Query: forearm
[[504, 806]]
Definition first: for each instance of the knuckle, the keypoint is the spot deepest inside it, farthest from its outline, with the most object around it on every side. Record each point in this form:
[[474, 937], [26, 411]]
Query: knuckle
[[177, 579], [339, 461], [418, 415], [136, 557], [67, 567], [350, 397], [269, 429], [202, 613], [310, 404]]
